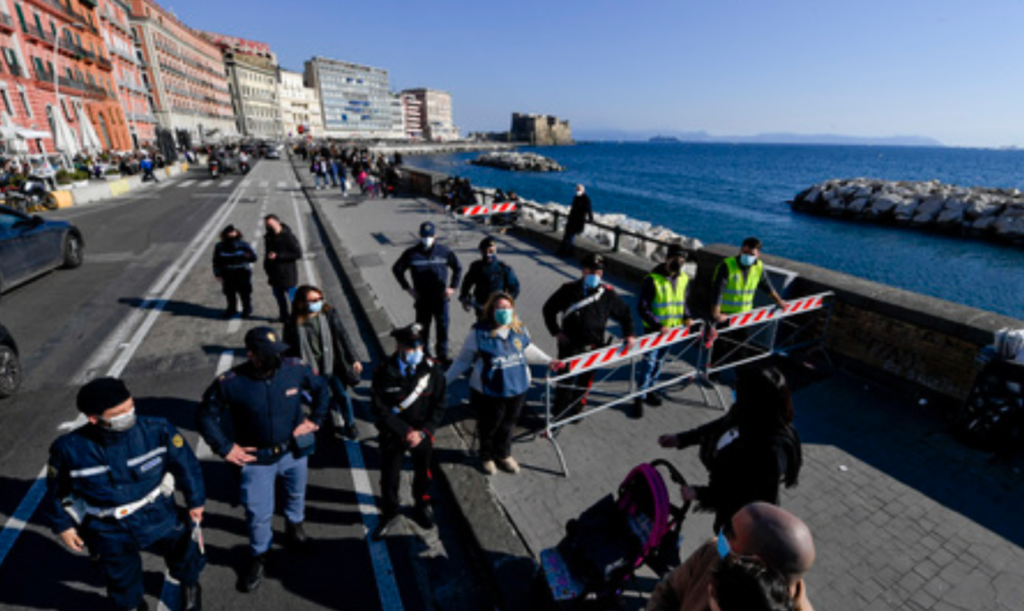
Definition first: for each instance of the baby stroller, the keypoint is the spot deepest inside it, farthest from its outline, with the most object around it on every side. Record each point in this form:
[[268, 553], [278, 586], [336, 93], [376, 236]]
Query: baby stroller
[[612, 539]]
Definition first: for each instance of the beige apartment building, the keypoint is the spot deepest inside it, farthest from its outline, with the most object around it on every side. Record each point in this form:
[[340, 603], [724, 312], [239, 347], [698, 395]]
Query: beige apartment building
[[252, 79], [300, 106], [431, 110]]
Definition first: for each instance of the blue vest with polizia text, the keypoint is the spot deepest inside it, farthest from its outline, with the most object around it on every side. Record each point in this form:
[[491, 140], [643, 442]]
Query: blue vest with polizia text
[[505, 372]]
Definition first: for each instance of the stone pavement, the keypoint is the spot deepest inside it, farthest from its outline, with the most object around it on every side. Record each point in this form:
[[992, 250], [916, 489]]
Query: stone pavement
[[903, 516]]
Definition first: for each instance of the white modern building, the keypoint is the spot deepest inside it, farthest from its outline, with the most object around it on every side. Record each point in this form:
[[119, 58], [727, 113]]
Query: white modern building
[[435, 113], [300, 105], [355, 100]]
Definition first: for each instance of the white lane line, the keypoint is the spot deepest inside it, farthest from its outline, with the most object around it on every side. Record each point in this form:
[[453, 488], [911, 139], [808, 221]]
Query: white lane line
[[16, 523], [282, 184], [188, 183], [387, 586], [246, 183], [226, 183], [264, 184]]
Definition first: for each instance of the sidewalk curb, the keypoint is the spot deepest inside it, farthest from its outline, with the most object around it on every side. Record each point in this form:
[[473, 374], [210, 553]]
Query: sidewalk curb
[[510, 564]]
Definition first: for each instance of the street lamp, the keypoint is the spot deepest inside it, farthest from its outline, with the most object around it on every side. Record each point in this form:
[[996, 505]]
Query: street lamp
[[56, 73]]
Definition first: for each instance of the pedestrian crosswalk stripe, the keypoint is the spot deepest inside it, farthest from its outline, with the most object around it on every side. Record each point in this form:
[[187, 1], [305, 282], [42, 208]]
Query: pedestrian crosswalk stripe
[[264, 184], [206, 183], [226, 183], [282, 184], [187, 183], [246, 184]]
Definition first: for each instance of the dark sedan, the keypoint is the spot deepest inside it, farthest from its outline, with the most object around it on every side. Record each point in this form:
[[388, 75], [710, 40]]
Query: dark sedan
[[31, 245], [10, 367]]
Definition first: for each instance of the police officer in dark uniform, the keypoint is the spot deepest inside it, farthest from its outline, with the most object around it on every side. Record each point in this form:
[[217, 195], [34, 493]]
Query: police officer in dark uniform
[[232, 267], [585, 305], [431, 287], [272, 437], [487, 276], [110, 486], [408, 402]]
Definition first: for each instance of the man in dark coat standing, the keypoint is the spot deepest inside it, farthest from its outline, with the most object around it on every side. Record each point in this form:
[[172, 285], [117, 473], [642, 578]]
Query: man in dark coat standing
[[580, 213], [282, 251]]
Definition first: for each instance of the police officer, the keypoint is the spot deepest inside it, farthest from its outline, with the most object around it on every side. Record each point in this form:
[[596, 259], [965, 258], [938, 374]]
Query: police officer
[[232, 266], [487, 276], [431, 286], [273, 437], [111, 487], [408, 402], [662, 307], [585, 305]]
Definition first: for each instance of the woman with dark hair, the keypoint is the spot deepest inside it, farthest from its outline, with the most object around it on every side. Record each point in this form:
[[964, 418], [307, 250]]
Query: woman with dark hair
[[315, 334], [232, 267], [748, 451], [746, 584], [499, 352]]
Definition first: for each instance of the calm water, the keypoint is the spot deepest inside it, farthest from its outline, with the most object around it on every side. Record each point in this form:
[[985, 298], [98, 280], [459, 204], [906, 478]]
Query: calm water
[[722, 193]]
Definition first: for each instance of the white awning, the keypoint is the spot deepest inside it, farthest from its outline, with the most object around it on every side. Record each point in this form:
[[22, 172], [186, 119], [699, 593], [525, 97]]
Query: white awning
[[64, 137], [90, 140]]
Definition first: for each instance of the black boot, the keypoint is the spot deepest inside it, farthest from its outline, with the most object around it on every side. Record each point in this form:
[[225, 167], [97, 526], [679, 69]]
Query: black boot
[[653, 399], [254, 574], [296, 536], [423, 515], [192, 597], [637, 412]]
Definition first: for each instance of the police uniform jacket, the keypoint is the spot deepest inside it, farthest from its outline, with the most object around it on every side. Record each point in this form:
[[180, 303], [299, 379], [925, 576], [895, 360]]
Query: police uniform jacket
[[110, 469], [429, 271], [264, 411], [233, 258], [586, 325], [486, 278], [390, 388]]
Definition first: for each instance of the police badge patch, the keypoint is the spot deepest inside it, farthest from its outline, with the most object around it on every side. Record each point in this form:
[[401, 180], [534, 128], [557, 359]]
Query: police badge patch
[[518, 344], [177, 441]]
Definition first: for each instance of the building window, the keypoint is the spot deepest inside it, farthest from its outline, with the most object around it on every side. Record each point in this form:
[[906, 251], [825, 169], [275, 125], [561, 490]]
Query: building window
[[7, 101], [24, 102]]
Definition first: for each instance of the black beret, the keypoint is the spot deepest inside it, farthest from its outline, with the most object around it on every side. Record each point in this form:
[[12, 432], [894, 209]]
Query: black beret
[[101, 394]]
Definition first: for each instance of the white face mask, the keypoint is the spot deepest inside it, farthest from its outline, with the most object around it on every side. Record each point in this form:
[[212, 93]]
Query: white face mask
[[121, 423], [427, 242]]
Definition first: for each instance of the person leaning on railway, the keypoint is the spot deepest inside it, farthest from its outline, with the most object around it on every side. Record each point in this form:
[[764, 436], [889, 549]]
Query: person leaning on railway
[[273, 437], [487, 276], [110, 486], [499, 351], [662, 307], [232, 267], [408, 403], [577, 315]]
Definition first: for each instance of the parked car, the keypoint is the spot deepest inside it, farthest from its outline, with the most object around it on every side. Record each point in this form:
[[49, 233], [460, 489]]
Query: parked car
[[273, 154], [10, 366], [31, 246]]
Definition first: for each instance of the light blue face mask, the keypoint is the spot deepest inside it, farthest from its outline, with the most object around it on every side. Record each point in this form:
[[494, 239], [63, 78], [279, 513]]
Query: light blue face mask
[[503, 316], [412, 358], [724, 549], [315, 306], [591, 281], [747, 260]]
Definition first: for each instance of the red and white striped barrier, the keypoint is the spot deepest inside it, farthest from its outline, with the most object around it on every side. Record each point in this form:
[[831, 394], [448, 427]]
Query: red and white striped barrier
[[603, 357], [797, 306], [489, 209]]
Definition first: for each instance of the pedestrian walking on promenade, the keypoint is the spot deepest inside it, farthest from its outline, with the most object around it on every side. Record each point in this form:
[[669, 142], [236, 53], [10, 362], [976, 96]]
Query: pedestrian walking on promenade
[[319, 171], [263, 397], [280, 262], [580, 213], [662, 307], [577, 315], [499, 352], [408, 400], [432, 286], [487, 276], [748, 451], [232, 267], [110, 487], [315, 333]]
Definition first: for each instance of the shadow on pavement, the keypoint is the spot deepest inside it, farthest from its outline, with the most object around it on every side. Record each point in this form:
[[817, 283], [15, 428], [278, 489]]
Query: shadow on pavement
[[177, 308]]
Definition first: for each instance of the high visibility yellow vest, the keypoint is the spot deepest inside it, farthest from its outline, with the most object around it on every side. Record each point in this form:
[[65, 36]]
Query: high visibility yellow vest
[[738, 295], [669, 305]]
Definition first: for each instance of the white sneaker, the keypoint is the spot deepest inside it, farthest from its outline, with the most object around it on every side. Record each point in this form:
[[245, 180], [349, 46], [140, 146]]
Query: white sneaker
[[509, 464], [489, 467]]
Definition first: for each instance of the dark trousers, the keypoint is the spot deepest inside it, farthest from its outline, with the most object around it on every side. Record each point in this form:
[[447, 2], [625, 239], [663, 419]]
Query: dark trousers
[[428, 313], [496, 416], [121, 563], [392, 454], [284, 296], [568, 238], [235, 286], [571, 393]]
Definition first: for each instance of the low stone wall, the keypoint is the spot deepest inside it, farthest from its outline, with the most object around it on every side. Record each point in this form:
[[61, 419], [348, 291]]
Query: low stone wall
[[996, 214]]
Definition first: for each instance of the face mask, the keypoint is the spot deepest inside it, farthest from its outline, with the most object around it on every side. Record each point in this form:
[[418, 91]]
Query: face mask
[[747, 260], [122, 423], [412, 358], [268, 364], [503, 317], [427, 242], [490, 257], [315, 306], [591, 281], [675, 267]]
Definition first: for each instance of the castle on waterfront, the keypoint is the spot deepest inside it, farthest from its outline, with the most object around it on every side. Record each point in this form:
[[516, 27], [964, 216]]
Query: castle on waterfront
[[538, 130]]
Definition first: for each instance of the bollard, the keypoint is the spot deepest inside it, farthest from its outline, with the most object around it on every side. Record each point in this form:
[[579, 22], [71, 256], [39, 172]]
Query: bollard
[[616, 239], [554, 223]]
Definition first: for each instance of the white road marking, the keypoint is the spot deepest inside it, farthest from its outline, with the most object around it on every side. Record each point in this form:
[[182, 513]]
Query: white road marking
[[246, 183], [282, 184], [226, 183], [264, 184], [188, 183], [206, 183]]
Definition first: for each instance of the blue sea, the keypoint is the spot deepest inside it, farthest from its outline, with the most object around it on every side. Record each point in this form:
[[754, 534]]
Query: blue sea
[[722, 193]]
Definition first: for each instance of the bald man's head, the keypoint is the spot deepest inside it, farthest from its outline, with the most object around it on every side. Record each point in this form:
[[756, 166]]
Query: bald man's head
[[780, 539]]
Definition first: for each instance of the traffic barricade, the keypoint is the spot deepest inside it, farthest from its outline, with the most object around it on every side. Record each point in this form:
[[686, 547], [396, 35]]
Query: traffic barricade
[[481, 211]]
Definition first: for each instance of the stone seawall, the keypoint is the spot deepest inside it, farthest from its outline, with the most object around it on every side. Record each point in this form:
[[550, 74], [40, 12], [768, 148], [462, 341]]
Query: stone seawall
[[995, 214]]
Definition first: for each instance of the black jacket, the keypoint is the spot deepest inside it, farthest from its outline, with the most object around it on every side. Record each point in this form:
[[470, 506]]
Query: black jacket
[[579, 214], [586, 326], [233, 258], [390, 388], [344, 351], [282, 271], [429, 270], [484, 279]]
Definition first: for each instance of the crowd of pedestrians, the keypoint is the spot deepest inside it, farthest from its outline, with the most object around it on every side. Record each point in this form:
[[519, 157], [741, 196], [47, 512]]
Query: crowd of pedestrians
[[376, 175]]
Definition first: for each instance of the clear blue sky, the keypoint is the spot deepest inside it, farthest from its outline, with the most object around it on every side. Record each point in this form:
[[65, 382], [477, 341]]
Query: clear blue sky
[[947, 69]]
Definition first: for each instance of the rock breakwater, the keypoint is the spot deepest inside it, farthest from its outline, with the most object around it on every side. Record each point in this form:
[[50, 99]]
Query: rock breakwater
[[994, 214], [518, 162]]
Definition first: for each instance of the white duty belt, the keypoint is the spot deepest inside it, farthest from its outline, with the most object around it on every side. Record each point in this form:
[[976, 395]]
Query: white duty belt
[[421, 385], [584, 303], [78, 509]]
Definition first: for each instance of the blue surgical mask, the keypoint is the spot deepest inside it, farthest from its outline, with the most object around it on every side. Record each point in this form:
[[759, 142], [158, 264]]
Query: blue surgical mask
[[724, 549], [591, 281], [747, 260], [490, 258], [315, 306], [503, 316], [412, 358]]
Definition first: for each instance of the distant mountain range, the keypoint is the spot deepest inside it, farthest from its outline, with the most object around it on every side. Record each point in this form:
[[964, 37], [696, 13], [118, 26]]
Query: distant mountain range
[[583, 135]]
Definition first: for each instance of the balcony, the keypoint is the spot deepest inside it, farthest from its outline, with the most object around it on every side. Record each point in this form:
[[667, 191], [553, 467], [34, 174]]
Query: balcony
[[37, 35], [89, 3], [104, 63], [6, 23], [44, 77]]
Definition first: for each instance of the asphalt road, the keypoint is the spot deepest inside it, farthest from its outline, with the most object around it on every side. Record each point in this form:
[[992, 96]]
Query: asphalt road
[[146, 307]]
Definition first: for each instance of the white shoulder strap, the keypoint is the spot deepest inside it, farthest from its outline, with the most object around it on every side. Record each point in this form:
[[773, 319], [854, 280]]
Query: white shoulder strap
[[421, 385], [584, 303]]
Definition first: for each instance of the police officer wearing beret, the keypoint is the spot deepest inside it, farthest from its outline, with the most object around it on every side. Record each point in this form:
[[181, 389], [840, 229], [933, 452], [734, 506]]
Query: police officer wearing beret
[[272, 437], [110, 487], [408, 402], [431, 288], [576, 315]]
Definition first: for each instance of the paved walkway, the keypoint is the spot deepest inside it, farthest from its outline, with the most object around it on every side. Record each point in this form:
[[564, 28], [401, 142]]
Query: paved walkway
[[903, 516]]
